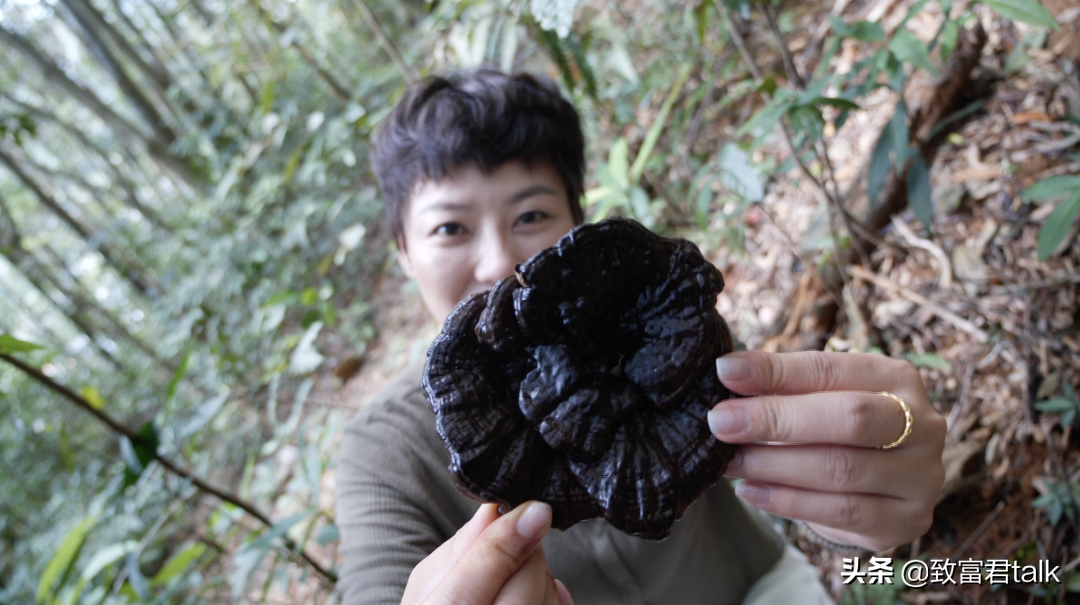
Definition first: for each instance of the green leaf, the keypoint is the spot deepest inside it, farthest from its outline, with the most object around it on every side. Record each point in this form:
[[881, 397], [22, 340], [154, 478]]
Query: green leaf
[[305, 357], [136, 578], [577, 51], [879, 166], [701, 18], [768, 85], [949, 35], [619, 163], [178, 375], [60, 565], [768, 116], [1072, 582], [907, 47], [278, 530], [10, 344], [913, 10], [91, 395], [292, 164], [742, 7], [639, 203], [1053, 187], [702, 204], [919, 191], [202, 414], [1068, 407], [900, 135], [1028, 11], [178, 564], [1058, 225], [1055, 404], [738, 175], [863, 31], [106, 557], [658, 125], [550, 40], [834, 102], [930, 360], [807, 120], [554, 15], [266, 103], [137, 453], [329, 533]]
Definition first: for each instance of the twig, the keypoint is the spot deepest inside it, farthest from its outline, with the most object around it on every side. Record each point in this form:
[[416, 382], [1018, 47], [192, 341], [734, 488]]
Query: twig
[[944, 266], [740, 43], [1073, 278], [975, 535], [694, 129], [169, 465], [832, 200], [806, 261], [839, 204], [789, 63], [942, 312], [830, 206], [384, 40]]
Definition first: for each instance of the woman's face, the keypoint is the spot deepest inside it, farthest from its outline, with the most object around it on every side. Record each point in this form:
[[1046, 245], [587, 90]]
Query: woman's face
[[466, 232]]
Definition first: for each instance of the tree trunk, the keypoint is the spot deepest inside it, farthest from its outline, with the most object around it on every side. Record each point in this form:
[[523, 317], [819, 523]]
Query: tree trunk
[[336, 88], [158, 73], [95, 40], [136, 276], [158, 149], [88, 302]]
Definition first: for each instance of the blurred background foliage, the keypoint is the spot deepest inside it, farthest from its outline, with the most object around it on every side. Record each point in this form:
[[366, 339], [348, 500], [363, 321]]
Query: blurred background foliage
[[190, 240]]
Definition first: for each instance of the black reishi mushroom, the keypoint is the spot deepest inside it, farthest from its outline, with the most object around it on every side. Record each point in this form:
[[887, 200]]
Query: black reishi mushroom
[[585, 379]]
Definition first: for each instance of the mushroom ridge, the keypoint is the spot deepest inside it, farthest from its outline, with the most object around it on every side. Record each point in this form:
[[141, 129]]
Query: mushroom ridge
[[584, 380]]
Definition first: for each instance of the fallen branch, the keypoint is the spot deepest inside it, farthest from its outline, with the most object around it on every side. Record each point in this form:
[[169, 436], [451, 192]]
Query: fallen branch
[[199, 483], [939, 102], [965, 325], [944, 265]]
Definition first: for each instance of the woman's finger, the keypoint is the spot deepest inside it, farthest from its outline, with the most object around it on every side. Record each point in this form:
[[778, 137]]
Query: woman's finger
[[757, 373], [858, 418], [497, 553], [427, 576], [564, 593], [872, 522], [532, 584], [827, 468], [486, 515]]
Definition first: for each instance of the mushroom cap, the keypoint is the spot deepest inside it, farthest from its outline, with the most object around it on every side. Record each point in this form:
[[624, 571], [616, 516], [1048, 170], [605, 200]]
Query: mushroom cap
[[584, 380]]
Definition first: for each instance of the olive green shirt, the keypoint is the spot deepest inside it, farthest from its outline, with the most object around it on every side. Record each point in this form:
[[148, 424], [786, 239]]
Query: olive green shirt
[[396, 503]]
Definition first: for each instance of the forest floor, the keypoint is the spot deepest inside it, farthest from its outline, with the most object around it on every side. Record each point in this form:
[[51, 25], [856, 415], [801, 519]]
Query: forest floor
[[992, 329]]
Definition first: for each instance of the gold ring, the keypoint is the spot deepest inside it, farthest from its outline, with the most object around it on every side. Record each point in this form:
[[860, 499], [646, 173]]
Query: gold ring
[[907, 421]]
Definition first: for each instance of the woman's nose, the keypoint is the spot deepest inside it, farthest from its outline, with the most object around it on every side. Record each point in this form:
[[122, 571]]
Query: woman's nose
[[496, 260]]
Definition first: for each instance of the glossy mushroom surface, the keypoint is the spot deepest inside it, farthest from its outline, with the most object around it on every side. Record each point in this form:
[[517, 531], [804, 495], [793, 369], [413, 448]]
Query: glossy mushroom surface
[[584, 380]]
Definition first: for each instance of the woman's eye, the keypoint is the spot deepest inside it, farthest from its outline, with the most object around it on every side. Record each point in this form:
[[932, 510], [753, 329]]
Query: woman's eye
[[533, 216], [449, 229]]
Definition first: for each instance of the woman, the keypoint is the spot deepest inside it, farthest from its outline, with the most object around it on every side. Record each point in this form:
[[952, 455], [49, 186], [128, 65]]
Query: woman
[[481, 171]]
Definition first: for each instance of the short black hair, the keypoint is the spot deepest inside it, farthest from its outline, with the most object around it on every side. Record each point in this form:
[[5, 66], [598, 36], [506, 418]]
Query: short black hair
[[480, 116]]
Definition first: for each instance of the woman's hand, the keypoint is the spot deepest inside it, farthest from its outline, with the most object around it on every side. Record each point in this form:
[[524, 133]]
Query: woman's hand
[[811, 430], [491, 560]]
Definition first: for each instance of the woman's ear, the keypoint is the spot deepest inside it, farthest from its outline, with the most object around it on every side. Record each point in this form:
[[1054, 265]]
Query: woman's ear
[[403, 258]]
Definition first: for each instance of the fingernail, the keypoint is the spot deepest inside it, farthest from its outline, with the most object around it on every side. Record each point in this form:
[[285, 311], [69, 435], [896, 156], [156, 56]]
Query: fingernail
[[736, 462], [534, 520], [734, 369], [729, 420], [755, 494]]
